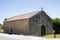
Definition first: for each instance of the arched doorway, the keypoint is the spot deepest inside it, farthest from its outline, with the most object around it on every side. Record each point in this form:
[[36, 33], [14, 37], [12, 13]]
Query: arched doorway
[[43, 30], [11, 31]]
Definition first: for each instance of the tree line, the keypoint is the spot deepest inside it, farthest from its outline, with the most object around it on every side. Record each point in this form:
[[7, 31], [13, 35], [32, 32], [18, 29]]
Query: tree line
[[56, 25]]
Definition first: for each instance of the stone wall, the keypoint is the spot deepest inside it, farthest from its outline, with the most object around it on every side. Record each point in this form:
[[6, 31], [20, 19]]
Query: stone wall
[[31, 26], [18, 26], [37, 21]]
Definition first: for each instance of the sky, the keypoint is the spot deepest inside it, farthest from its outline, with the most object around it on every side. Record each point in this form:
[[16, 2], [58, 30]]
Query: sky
[[10, 8]]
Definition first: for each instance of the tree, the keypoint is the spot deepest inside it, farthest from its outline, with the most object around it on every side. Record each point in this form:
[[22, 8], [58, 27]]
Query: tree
[[56, 25], [0, 26]]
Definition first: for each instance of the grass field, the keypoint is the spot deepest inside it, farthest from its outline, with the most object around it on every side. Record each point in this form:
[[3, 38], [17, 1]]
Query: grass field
[[52, 36]]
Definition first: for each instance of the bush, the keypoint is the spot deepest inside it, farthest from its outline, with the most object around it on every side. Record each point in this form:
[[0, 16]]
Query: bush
[[56, 25], [1, 30]]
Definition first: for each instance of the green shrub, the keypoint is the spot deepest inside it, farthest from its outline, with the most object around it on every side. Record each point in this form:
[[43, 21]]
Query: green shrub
[[56, 25]]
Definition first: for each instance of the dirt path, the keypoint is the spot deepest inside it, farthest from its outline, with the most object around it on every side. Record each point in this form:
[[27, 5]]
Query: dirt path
[[21, 37]]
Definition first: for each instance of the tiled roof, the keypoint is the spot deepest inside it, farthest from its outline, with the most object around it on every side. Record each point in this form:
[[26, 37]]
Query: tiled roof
[[24, 16]]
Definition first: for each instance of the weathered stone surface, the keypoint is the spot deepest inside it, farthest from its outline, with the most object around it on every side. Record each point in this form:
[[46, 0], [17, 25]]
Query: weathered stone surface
[[18, 27], [39, 24], [39, 20]]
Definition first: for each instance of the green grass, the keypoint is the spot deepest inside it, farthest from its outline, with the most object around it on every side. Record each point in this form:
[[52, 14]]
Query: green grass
[[52, 36]]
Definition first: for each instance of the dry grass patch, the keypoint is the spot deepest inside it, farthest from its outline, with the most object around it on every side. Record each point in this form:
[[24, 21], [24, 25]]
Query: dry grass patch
[[52, 36]]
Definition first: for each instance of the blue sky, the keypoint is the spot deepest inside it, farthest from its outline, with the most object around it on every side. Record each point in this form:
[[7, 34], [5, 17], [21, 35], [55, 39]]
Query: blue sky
[[9, 8]]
